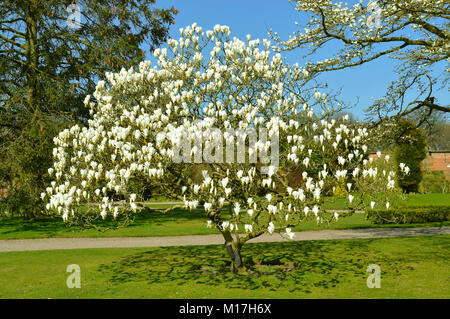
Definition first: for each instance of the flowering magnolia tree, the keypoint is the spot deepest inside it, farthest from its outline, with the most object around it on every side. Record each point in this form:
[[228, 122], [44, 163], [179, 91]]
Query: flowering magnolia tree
[[153, 123], [413, 32]]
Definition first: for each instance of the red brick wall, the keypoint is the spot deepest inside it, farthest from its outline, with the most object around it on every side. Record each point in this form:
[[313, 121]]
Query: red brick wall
[[438, 161]]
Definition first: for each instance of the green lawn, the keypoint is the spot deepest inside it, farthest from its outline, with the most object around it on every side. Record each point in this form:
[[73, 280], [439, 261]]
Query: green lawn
[[176, 223], [409, 200], [415, 267], [182, 222]]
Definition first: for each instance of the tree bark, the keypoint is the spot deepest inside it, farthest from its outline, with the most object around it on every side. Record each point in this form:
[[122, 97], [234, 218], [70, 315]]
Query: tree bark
[[32, 57], [234, 252], [32, 85]]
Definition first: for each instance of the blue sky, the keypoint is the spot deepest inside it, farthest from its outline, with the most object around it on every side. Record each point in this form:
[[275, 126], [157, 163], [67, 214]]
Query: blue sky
[[256, 17]]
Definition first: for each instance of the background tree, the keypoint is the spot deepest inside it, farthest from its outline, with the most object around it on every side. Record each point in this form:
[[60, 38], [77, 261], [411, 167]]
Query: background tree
[[438, 133], [411, 149], [49, 60], [414, 32]]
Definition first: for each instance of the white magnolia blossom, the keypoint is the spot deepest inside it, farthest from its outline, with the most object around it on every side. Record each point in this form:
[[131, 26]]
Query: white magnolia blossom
[[290, 234], [350, 198], [271, 228]]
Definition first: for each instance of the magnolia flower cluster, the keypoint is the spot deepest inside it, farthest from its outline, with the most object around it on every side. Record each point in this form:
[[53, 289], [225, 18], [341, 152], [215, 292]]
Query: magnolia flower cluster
[[140, 117], [333, 150]]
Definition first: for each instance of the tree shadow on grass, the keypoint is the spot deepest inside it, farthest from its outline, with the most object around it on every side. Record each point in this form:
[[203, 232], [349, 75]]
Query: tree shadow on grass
[[51, 226], [47, 227], [179, 215], [295, 266]]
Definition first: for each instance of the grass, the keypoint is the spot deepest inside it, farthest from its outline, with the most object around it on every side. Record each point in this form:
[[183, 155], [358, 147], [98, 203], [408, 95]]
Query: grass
[[414, 267], [175, 223], [409, 200], [181, 222]]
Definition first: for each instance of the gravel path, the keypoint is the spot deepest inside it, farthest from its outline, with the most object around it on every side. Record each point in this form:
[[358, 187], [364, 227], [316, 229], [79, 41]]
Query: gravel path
[[124, 242]]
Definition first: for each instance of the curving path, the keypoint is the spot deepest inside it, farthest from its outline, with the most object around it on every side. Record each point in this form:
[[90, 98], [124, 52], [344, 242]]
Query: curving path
[[126, 242]]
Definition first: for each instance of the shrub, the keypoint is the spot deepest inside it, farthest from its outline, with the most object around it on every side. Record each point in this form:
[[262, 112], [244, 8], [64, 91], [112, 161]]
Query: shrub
[[24, 161], [411, 150], [434, 182], [409, 215], [340, 190]]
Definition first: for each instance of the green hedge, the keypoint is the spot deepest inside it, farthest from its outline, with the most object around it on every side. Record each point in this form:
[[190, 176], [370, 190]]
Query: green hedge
[[434, 182], [409, 215]]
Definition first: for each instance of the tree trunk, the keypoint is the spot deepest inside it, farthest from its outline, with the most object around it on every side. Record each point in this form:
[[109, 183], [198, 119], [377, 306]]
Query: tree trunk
[[31, 53], [234, 251], [28, 214]]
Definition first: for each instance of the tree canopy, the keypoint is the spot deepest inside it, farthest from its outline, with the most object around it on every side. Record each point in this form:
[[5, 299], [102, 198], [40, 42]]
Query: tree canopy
[[142, 118], [47, 64], [414, 32], [49, 60]]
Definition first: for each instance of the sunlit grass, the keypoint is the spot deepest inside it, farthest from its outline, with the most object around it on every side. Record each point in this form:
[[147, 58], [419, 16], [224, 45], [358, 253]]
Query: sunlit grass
[[415, 267]]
